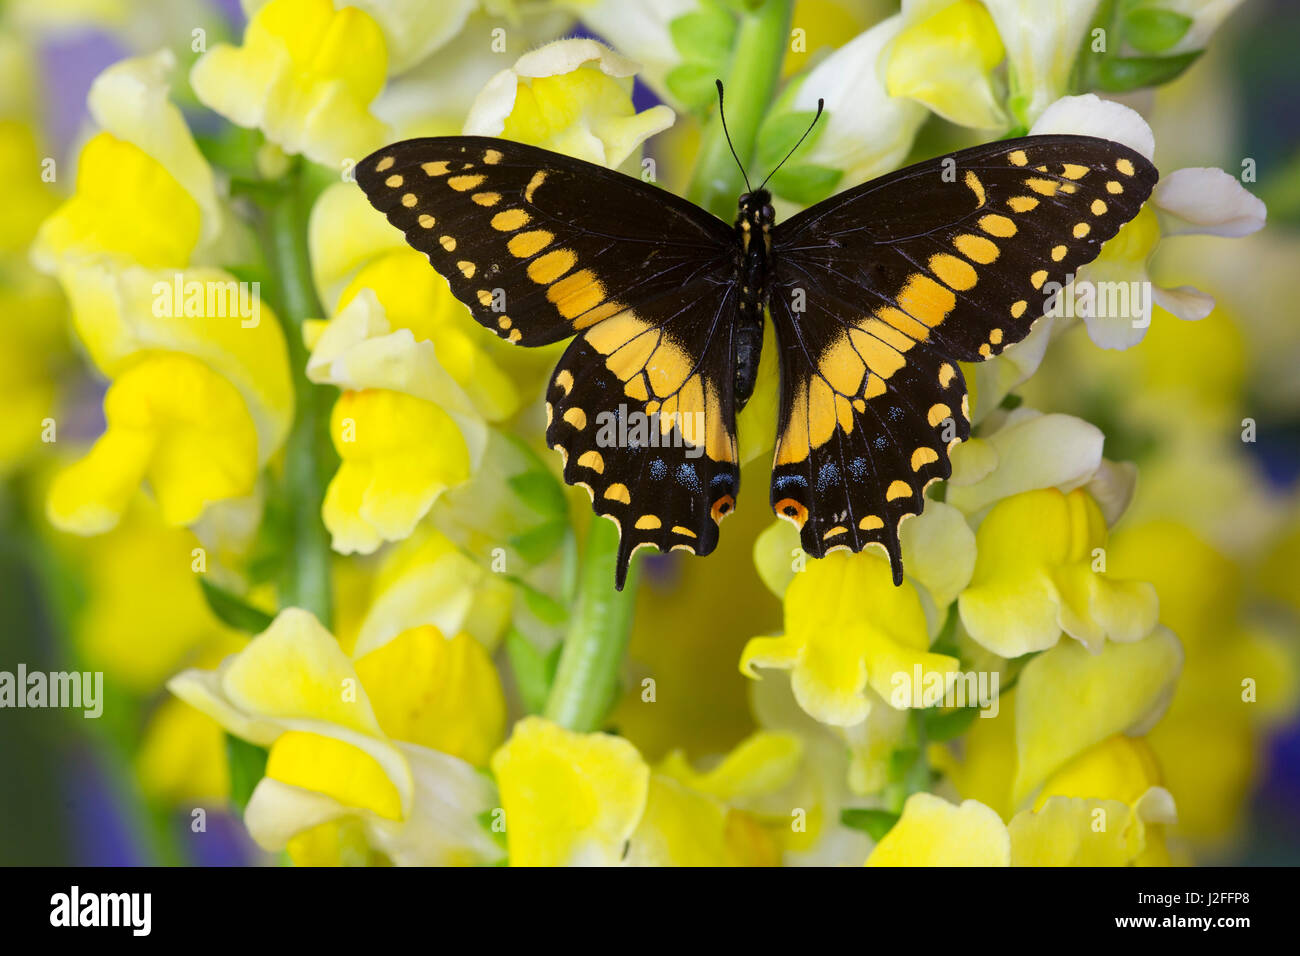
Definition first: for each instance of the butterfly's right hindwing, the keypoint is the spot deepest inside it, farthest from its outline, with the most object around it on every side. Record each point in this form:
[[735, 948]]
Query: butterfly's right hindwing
[[542, 247]]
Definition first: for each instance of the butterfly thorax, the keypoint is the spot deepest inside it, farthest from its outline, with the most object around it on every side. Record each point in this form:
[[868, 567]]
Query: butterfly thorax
[[753, 234]]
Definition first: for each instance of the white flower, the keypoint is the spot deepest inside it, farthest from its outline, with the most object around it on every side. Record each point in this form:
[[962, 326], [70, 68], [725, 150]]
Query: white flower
[[1042, 39], [1030, 450], [643, 31], [1207, 201], [865, 132]]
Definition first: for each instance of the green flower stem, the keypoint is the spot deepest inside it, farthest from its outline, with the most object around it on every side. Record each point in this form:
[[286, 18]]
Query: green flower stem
[[586, 679], [309, 457], [761, 43]]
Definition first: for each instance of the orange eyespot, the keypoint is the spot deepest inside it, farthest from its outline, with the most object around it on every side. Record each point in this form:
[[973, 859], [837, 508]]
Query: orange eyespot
[[722, 507], [794, 510]]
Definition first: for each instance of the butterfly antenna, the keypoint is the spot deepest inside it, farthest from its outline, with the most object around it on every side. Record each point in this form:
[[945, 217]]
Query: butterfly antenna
[[726, 133], [821, 104]]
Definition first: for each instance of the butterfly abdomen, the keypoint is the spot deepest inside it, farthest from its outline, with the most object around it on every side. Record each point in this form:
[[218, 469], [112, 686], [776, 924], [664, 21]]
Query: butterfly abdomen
[[753, 235]]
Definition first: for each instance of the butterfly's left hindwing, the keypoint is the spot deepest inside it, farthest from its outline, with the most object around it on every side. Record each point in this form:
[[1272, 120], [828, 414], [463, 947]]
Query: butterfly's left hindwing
[[880, 291]]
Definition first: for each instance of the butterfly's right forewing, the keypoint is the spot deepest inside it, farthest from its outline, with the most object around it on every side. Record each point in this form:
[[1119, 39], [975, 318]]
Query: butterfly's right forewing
[[542, 247], [539, 246]]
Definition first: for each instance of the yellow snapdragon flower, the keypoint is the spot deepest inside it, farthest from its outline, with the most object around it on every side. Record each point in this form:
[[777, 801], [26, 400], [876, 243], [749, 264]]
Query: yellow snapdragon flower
[[570, 96], [1040, 570], [933, 832], [398, 454], [1065, 831], [944, 57], [141, 636], [305, 76], [569, 799], [128, 248], [574, 799], [348, 778], [1065, 702], [848, 627], [1239, 679], [427, 579]]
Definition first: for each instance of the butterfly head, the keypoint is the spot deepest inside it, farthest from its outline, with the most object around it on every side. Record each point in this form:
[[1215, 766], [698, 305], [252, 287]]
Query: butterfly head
[[756, 208]]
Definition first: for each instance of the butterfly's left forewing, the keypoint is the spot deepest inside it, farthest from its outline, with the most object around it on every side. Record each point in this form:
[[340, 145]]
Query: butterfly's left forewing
[[542, 247], [880, 291]]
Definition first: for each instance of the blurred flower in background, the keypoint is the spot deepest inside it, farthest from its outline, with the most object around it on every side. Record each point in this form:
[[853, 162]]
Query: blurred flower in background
[[266, 473]]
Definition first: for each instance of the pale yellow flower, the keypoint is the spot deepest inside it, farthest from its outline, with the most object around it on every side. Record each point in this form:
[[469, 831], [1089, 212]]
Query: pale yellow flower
[[305, 76], [570, 96]]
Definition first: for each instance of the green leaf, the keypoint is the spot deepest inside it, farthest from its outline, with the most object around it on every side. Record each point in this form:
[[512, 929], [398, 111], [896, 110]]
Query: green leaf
[[538, 543], [901, 762], [704, 35], [805, 184], [1011, 402], [543, 607], [247, 764], [1153, 30], [234, 611], [539, 489], [779, 133], [942, 726], [692, 84], [534, 671], [233, 149], [1124, 74], [874, 823], [269, 552]]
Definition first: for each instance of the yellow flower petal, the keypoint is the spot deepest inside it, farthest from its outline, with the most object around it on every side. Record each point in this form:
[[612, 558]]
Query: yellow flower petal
[[569, 799], [847, 626], [571, 96], [173, 423], [1119, 768], [441, 693], [415, 297], [684, 827], [295, 669], [1069, 831], [305, 76], [334, 768], [127, 207], [761, 763], [131, 100], [1037, 572], [945, 61], [427, 579], [1067, 700], [182, 757], [120, 313], [29, 199], [933, 832], [398, 455]]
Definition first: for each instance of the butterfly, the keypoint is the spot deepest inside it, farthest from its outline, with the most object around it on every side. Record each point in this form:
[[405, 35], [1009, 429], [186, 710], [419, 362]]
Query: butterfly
[[875, 294]]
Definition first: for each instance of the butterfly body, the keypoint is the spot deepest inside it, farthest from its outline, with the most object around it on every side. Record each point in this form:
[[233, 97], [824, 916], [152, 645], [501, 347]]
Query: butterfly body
[[875, 295], [754, 239]]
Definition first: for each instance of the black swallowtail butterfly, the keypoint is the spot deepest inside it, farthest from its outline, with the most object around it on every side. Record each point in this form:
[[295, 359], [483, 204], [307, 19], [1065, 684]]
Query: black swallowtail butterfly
[[875, 295]]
